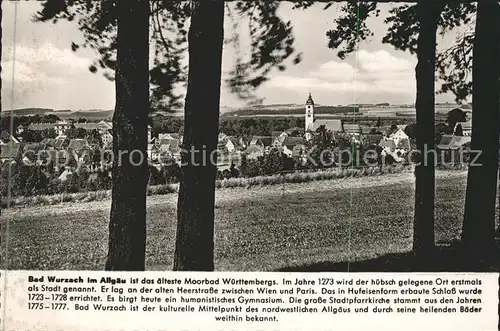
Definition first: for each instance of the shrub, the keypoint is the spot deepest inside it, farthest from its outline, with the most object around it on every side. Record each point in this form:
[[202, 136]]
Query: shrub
[[62, 195], [162, 189]]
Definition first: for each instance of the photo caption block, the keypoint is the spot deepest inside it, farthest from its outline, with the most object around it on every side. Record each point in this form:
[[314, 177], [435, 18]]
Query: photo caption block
[[254, 301]]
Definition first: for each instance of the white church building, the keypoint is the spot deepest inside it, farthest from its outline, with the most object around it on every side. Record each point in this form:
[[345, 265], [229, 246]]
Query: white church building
[[312, 124]]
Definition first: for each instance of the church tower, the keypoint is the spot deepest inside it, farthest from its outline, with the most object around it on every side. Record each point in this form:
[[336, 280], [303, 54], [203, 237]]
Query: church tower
[[309, 117], [149, 134]]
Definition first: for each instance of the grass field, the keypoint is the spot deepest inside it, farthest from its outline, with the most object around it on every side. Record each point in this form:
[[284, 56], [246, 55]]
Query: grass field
[[307, 226]]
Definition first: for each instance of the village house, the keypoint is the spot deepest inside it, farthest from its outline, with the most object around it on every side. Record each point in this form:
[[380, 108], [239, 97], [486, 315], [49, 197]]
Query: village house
[[226, 159], [368, 130], [61, 142], [81, 149], [154, 154], [33, 147], [453, 148], [59, 158], [166, 144], [403, 146], [105, 130], [278, 138], [276, 134], [94, 169], [65, 175], [353, 130], [254, 152], [293, 146], [398, 136], [222, 136], [107, 138], [52, 149], [48, 143], [152, 149], [6, 137], [10, 151], [78, 144], [372, 139], [19, 129], [86, 126], [61, 127], [31, 151], [389, 148], [466, 128], [230, 144], [295, 131], [264, 142], [244, 142], [104, 127], [229, 151], [165, 149], [171, 135], [40, 126], [330, 125], [175, 150], [397, 144]]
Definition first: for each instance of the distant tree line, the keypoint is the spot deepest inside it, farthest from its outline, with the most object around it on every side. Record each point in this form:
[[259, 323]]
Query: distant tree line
[[231, 126], [27, 120]]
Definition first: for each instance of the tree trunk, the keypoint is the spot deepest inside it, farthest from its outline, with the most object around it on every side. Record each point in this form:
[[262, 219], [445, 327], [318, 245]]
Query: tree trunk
[[127, 226], [423, 226], [479, 219], [1, 70], [194, 248]]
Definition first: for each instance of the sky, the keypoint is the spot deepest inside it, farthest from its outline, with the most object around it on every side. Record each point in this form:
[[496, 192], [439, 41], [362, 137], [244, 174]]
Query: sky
[[42, 70]]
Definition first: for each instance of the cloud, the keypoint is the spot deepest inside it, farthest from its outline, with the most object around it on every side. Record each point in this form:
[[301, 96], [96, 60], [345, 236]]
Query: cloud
[[334, 71], [382, 61], [46, 63], [46, 76], [24, 74], [376, 72], [304, 83]]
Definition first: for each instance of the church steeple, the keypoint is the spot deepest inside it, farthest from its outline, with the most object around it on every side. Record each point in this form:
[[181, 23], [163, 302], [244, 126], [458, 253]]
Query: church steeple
[[310, 100], [309, 117]]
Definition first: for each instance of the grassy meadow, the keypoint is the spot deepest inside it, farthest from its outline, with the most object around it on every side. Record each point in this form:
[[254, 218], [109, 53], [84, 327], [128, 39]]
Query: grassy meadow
[[246, 182], [335, 225]]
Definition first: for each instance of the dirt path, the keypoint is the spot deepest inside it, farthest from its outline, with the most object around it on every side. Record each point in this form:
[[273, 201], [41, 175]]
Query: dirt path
[[231, 194]]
